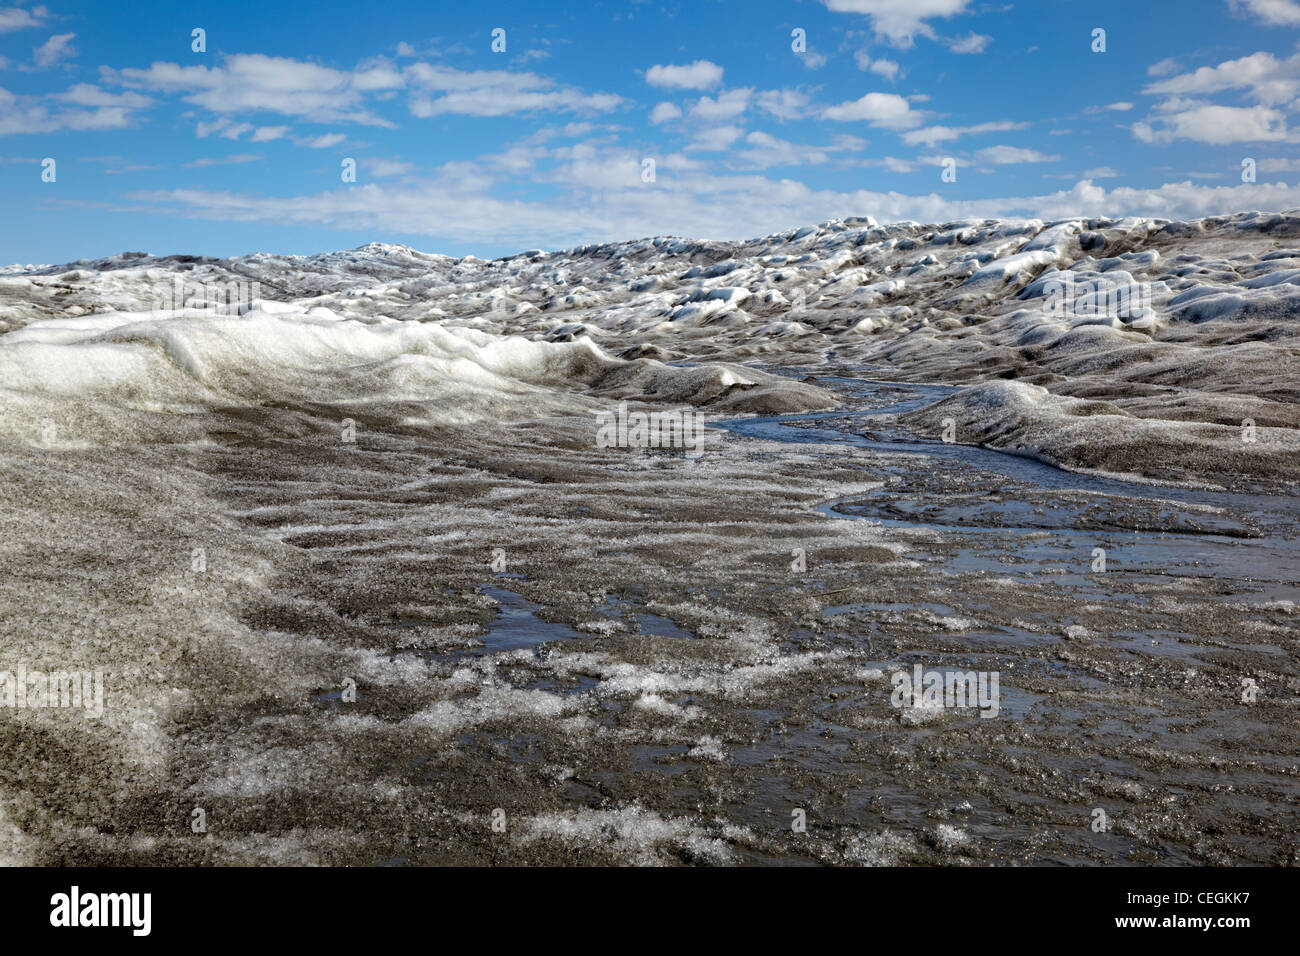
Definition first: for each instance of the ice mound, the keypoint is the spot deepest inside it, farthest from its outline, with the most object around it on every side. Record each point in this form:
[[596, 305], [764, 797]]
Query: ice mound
[[719, 386], [1091, 435], [1011, 267], [184, 361]]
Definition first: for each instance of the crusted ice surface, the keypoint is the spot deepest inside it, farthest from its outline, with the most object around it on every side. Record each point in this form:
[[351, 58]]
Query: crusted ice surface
[[297, 629]]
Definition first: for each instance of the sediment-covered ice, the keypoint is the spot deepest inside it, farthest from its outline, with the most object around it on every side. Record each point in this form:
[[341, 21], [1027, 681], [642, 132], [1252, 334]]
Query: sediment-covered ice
[[711, 638], [72, 370], [1099, 436]]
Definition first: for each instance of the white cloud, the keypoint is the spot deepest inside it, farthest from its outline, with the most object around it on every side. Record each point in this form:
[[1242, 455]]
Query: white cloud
[[224, 127], [376, 74], [764, 151], [87, 94], [942, 160], [784, 104], [1101, 172], [700, 75], [1176, 104], [897, 165], [900, 21], [891, 163], [15, 18], [324, 141], [265, 134], [974, 43], [1006, 155], [1279, 165], [253, 82], [663, 112], [1120, 107], [56, 48], [727, 106], [1270, 81], [1218, 125], [887, 110], [1279, 12], [716, 138], [381, 168], [930, 135], [886, 68], [599, 197], [235, 160], [27, 114], [496, 93]]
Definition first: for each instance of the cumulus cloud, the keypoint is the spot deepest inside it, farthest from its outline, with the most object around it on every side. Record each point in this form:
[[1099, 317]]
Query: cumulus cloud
[[1284, 13], [16, 18], [664, 112], [764, 151], [700, 75], [887, 110], [1268, 80], [725, 107], [716, 138], [1217, 125], [900, 21], [784, 104], [255, 82], [889, 69]]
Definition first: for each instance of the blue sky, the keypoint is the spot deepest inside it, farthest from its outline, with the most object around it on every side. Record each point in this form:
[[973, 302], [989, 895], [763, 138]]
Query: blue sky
[[465, 150]]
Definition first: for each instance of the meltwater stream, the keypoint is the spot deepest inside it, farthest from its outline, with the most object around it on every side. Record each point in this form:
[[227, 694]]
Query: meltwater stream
[[994, 502]]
